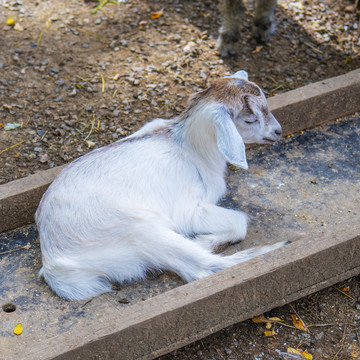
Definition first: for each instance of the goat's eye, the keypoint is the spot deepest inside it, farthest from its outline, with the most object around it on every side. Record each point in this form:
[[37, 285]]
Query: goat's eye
[[251, 120]]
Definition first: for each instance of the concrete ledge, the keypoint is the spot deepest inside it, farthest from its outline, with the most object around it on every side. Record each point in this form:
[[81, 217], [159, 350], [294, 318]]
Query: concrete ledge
[[19, 198], [193, 311], [317, 103], [296, 110]]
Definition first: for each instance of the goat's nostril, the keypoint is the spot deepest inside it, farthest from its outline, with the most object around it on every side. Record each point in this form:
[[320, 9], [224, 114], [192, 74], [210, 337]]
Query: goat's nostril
[[278, 132]]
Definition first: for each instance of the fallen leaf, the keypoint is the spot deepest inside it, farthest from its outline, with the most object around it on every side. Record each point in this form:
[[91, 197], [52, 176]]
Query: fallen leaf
[[157, 14], [269, 333], [89, 143], [18, 27], [298, 323], [142, 24], [268, 326], [305, 354], [274, 319], [293, 351], [346, 288], [258, 49], [18, 329], [10, 21], [260, 319]]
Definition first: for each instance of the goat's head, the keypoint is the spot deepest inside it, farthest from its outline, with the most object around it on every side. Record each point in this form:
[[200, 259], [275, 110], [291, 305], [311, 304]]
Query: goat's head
[[240, 115]]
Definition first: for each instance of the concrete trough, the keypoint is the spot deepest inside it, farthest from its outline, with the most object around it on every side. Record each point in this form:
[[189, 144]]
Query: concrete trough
[[305, 189]]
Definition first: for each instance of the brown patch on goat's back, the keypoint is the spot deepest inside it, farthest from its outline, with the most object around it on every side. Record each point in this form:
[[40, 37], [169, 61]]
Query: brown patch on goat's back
[[228, 91]]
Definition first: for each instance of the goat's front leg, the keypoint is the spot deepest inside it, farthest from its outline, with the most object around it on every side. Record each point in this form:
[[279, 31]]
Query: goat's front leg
[[215, 226], [230, 24], [264, 20]]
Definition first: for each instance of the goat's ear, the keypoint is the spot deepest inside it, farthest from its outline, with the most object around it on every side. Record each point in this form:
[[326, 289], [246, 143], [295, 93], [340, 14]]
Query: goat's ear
[[229, 141], [242, 74]]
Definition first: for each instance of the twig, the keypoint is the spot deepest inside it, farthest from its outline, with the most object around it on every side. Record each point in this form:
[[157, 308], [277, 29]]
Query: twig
[[89, 33], [26, 247], [12, 146], [218, 351], [103, 83], [83, 305], [91, 129], [343, 293], [47, 25], [313, 48], [321, 325], [341, 344]]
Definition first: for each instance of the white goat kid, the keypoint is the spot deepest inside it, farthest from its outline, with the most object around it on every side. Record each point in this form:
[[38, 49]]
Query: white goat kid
[[148, 202]]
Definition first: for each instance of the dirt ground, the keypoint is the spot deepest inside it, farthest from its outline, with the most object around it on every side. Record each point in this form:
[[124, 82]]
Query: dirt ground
[[71, 81]]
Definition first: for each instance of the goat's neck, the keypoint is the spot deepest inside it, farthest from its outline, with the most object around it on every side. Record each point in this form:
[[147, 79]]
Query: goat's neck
[[197, 134]]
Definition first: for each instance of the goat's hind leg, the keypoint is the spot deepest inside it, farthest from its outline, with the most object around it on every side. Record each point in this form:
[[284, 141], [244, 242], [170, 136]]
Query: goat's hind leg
[[215, 226]]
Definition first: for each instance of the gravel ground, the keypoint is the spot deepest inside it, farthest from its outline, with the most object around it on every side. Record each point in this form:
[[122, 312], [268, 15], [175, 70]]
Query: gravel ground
[[71, 81]]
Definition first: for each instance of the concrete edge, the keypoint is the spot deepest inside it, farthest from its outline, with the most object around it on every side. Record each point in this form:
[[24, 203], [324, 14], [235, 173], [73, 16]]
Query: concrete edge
[[296, 110], [192, 311]]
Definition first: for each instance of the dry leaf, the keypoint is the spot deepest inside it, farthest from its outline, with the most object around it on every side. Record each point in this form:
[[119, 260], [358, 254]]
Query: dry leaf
[[298, 323], [273, 319], [258, 49], [260, 319], [18, 329], [268, 326], [346, 288], [305, 354], [293, 351], [18, 27], [142, 24], [10, 21], [269, 333], [157, 14]]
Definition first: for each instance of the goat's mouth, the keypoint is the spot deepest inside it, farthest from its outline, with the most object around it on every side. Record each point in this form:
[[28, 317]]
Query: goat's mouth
[[269, 140]]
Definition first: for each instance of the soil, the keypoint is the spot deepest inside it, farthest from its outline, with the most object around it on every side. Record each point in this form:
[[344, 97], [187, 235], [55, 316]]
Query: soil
[[71, 81]]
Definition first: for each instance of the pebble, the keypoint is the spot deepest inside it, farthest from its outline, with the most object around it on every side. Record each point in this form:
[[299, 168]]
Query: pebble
[[58, 99], [116, 112], [44, 158], [38, 149], [98, 21], [72, 93]]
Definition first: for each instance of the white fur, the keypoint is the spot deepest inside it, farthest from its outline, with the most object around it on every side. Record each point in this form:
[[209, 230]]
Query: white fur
[[148, 202]]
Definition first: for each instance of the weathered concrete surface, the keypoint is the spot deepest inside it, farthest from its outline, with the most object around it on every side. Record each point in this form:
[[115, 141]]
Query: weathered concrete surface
[[296, 110], [305, 189]]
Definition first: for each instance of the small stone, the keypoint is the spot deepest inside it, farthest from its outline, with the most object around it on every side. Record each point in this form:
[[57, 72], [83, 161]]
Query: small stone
[[44, 158], [116, 112], [38, 149], [72, 93], [58, 99], [98, 21], [88, 108]]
